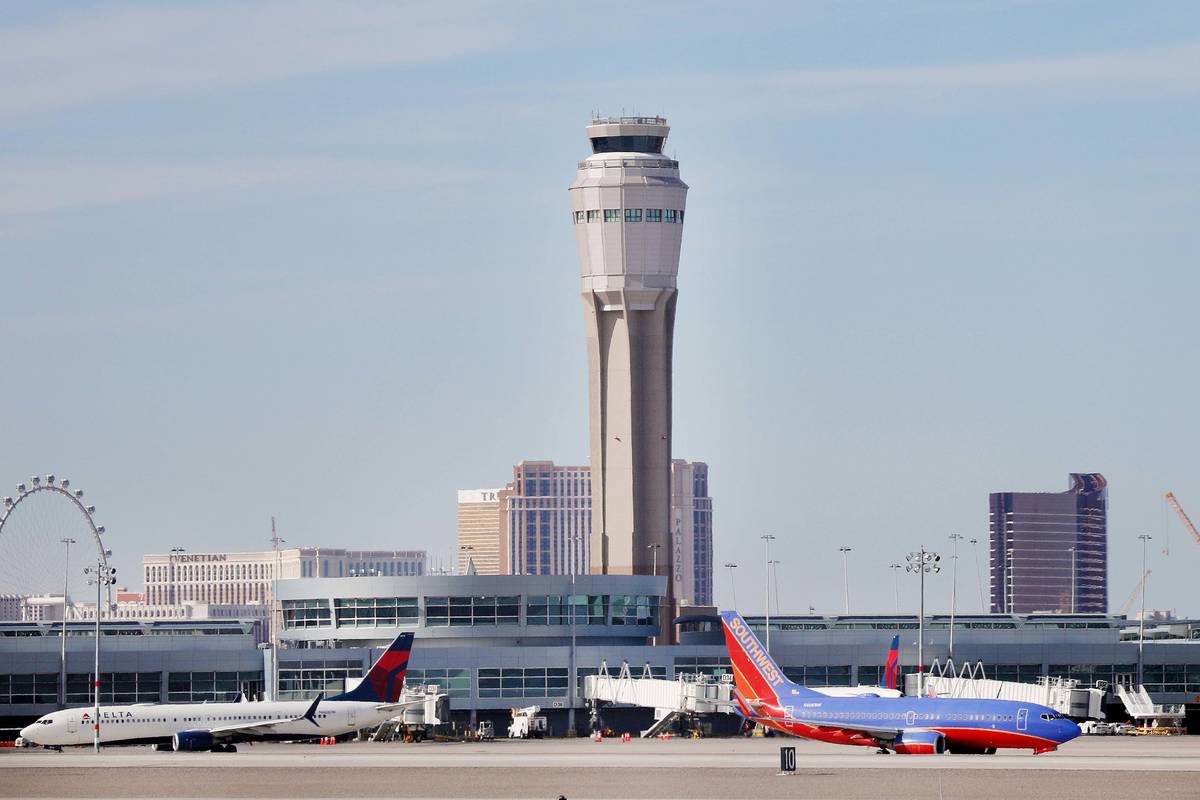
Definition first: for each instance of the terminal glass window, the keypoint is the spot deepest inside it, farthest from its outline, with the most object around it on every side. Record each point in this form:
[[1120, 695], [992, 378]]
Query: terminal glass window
[[819, 676], [196, 687], [634, 610], [1175, 678], [612, 215], [554, 609], [375, 612], [711, 666], [1088, 674], [303, 680], [517, 682], [29, 688], [633, 215], [456, 683], [305, 613], [472, 610], [1018, 673], [115, 687], [593, 215], [654, 215]]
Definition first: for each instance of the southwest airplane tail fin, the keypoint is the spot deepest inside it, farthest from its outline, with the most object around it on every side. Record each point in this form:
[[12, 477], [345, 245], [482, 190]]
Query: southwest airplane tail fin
[[891, 673], [384, 682], [755, 673]]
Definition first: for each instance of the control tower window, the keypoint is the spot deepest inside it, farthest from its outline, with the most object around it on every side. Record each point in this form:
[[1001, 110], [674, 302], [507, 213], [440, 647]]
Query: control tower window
[[633, 215], [654, 215], [578, 217], [612, 215], [681, 216], [593, 215], [672, 215], [627, 144]]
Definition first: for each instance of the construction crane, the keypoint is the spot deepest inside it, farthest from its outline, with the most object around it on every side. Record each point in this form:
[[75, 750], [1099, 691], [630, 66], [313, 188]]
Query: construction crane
[[1187, 523], [1133, 595]]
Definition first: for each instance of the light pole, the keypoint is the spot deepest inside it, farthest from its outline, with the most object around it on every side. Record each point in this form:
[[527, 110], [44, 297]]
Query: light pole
[[62, 631], [775, 574], [654, 562], [895, 568], [845, 579], [465, 550], [978, 575], [1142, 616], [1010, 566], [920, 562], [276, 611], [101, 575], [1073, 553], [766, 537], [575, 540], [954, 537], [732, 583]]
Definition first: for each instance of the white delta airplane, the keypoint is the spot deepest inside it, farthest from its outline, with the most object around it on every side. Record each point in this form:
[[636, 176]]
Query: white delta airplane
[[217, 727]]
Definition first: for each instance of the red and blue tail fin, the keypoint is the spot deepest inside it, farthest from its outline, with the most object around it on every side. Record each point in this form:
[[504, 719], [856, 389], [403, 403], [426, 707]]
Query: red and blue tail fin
[[755, 673], [891, 673], [384, 682]]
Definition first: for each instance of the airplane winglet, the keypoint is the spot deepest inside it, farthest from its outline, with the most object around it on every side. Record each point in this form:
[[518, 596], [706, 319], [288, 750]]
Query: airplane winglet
[[311, 714]]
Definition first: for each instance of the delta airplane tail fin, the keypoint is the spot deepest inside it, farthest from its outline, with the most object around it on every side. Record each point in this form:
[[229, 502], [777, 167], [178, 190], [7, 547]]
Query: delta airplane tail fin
[[891, 673], [755, 673], [384, 682]]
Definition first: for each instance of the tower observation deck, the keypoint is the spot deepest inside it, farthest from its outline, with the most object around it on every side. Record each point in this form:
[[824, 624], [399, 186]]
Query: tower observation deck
[[627, 206]]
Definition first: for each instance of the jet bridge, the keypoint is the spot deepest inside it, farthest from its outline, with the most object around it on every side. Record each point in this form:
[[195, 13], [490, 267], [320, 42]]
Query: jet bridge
[[688, 694], [1146, 712], [1064, 695]]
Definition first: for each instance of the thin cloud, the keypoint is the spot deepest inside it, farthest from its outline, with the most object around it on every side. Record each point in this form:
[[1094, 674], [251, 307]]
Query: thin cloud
[[133, 53], [31, 187], [1157, 72]]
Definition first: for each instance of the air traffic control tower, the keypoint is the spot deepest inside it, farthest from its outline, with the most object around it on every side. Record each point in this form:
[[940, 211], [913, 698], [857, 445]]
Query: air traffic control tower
[[627, 204]]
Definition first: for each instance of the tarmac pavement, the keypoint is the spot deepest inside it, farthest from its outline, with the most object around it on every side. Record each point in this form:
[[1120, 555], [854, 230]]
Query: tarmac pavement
[[1089, 767]]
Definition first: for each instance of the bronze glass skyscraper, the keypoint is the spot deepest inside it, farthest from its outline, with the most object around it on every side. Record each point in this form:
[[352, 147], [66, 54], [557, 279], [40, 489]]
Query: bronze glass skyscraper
[[1046, 545]]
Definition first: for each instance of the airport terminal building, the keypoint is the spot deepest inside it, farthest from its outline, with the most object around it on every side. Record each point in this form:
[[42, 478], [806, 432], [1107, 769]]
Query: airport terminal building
[[498, 642]]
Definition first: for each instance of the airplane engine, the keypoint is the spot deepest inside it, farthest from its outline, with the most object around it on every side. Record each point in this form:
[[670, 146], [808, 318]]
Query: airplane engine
[[920, 743], [192, 741]]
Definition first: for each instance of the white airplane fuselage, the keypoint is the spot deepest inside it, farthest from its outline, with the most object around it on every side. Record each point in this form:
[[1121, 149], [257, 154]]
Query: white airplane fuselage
[[153, 723]]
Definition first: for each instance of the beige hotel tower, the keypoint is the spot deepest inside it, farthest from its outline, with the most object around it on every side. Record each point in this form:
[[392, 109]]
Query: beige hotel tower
[[627, 205]]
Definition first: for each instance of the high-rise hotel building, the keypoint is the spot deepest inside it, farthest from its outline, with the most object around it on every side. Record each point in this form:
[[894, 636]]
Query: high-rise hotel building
[[540, 525], [627, 206], [232, 578], [691, 533], [546, 520], [1046, 544], [479, 530]]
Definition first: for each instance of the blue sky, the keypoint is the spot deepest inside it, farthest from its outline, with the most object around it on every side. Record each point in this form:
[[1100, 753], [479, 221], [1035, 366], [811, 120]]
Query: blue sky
[[314, 261]]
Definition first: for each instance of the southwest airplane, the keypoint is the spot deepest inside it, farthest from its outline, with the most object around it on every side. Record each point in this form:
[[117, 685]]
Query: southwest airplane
[[916, 725], [217, 726]]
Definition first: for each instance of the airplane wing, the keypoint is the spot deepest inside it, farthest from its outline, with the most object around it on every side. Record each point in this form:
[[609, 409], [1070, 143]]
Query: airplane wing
[[264, 726], [759, 712]]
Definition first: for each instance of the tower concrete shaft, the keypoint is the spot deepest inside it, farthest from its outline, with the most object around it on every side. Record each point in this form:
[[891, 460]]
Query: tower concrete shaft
[[627, 204]]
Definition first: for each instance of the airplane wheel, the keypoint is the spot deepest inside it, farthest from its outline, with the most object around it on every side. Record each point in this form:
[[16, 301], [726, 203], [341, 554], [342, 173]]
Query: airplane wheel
[[990, 751], [217, 748], [231, 748]]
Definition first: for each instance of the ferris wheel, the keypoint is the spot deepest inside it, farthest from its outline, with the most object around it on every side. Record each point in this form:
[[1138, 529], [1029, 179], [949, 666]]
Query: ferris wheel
[[48, 534]]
